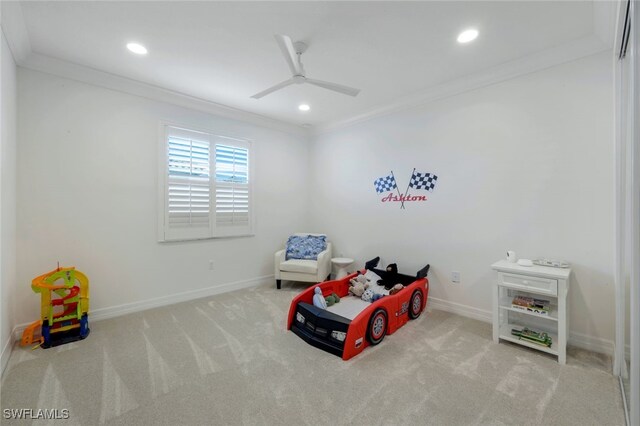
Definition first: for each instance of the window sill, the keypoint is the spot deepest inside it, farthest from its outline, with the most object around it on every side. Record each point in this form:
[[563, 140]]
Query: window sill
[[186, 240]]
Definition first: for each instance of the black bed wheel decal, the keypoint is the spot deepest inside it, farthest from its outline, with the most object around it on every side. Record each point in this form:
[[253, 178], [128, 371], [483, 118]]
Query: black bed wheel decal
[[377, 327], [416, 305]]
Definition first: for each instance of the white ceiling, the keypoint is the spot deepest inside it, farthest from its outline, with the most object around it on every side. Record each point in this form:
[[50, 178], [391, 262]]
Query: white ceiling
[[225, 52]]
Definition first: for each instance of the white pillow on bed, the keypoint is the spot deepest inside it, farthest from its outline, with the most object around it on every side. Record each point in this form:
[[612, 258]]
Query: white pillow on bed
[[372, 277], [373, 283]]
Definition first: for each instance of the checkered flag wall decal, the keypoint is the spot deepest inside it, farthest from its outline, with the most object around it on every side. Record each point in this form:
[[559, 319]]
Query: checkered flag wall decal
[[423, 181], [384, 184], [388, 184]]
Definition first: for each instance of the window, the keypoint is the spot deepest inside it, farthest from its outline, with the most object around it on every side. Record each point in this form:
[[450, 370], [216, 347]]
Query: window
[[206, 189], [232, 187]]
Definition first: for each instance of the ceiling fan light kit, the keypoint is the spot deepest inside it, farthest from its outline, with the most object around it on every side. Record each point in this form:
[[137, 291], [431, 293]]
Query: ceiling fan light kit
[[292, 53]]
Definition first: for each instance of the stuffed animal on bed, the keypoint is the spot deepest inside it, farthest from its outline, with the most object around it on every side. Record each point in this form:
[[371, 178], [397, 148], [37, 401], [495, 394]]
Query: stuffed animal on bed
[[318, 300], [367, 296], [332, 299], [396, 288], [358, 289], [390, 276], [376, 297], [359, 279]]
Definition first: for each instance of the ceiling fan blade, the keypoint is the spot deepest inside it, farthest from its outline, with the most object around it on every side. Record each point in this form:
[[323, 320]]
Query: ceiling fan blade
[[335, 87], [273, 88], [289, 52]]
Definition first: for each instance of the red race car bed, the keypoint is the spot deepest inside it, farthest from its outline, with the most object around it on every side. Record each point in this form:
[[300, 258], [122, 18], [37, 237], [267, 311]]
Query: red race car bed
[[351, 325]]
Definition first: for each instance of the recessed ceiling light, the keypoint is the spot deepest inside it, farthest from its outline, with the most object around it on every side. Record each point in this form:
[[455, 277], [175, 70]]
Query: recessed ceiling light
[[137, 48], [467, 36], [304, 107]]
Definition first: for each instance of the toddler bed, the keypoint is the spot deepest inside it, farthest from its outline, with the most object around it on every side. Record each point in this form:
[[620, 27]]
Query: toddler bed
[[348, 327]]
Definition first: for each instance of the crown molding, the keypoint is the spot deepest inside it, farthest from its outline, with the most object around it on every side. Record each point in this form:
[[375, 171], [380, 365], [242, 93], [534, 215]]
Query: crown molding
[[15, 30], [604, 20], [545, 59], [84, 74], [603, 38]]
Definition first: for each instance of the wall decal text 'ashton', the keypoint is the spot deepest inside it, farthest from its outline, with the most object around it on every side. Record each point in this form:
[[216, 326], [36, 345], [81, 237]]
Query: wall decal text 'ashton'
[[424, 181]]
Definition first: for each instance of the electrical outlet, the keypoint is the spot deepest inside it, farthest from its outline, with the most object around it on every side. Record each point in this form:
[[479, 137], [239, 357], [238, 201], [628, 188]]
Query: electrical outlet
[[455, 276], [211, 265]]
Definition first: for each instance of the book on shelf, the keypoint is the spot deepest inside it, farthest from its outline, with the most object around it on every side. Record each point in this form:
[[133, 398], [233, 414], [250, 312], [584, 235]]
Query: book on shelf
[[531, 304]]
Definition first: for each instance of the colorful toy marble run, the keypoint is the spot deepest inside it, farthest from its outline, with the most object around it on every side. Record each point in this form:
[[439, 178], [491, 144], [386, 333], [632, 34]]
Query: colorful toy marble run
[[65, 318]]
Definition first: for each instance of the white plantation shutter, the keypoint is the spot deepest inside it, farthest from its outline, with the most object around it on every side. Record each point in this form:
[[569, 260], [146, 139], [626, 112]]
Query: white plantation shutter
[[233, 201], [188, 185], [206, 186]]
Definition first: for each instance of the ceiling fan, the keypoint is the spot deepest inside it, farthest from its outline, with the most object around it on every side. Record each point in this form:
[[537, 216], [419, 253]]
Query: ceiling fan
[[292, 52]]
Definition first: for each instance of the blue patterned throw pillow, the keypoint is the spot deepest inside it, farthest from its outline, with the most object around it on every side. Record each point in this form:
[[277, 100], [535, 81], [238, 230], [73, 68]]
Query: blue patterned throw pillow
[[305, 247]]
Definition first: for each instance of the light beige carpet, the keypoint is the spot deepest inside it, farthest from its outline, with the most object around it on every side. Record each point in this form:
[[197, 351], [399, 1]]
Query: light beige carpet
[[229, 360]]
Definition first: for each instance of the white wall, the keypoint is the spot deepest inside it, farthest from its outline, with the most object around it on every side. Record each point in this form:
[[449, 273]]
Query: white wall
[[87, 188], [525, 165], [8, 109]]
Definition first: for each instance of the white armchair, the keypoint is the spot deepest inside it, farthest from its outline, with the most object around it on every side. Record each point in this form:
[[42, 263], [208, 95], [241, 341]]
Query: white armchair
[[314, 271]]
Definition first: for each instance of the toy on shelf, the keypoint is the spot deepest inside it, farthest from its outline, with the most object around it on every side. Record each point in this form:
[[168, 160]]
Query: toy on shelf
[[537, 337], [65, 318]]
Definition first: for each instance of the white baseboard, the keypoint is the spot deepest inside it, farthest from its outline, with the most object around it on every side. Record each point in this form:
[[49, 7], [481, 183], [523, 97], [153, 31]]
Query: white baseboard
[[460, 309], [6, 353], [578, 340], [590, 343], [143, 305]]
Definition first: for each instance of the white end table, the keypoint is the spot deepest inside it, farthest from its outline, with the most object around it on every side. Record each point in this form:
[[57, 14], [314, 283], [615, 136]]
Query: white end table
[[542, 282], [342, 263]]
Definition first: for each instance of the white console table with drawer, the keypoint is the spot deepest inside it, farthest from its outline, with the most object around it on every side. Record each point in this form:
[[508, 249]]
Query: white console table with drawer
[[539, 282]]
